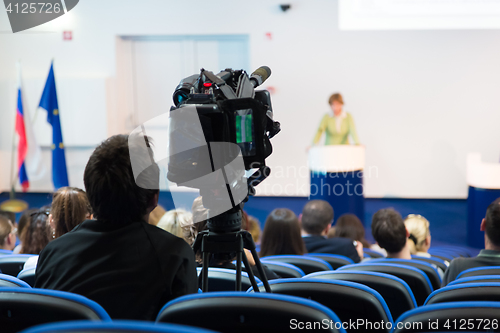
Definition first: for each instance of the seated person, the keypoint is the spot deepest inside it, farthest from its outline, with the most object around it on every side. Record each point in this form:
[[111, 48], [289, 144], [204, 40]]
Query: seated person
[[349, 226], [420, 235], [37, 233], [389, 231], [23, 222], [7, 234], [316, 220], [175, 220], [282, 234], [490, 255], [70, 207], [129, 267]]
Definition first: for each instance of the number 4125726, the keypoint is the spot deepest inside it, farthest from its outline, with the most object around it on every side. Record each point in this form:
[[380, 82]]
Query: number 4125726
[[34, 7]]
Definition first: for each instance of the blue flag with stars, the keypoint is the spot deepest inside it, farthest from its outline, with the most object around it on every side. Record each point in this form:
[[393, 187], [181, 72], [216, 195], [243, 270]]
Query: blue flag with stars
[[49, 103]]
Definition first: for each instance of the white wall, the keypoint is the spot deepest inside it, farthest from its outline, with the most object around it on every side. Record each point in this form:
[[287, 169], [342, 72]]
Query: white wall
[[421, 99]]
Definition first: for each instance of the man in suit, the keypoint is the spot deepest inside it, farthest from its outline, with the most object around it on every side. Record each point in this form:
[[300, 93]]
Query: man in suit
[[129, 267], [316, 219], [490, 255]]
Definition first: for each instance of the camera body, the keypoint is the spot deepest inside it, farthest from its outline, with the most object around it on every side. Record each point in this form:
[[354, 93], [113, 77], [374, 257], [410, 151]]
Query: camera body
[[230, 132]]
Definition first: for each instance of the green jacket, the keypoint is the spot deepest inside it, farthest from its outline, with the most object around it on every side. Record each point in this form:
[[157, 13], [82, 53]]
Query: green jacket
[[333, 136]]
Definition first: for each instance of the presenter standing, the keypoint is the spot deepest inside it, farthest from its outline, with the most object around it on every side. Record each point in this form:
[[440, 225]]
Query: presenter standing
[[339, 127]]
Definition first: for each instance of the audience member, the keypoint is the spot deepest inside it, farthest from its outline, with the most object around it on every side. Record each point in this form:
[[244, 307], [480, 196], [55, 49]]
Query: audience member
[[69, 208], [7, 234], [282, 234], [390, 233], [252, 225], [419, 240], [490, 255], [120, 261], [316, 220], [349, 226], [37, 234], [23, 222], [175, 221], [156, 215]]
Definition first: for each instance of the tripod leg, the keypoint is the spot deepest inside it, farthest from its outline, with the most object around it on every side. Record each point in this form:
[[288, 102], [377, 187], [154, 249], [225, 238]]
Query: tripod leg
[[250, 274], [262, 273], [204, 272], [238, 271]]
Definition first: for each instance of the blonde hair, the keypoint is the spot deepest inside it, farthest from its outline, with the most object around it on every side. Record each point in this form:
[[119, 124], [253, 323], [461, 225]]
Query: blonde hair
[[418, 227], [175, 221]]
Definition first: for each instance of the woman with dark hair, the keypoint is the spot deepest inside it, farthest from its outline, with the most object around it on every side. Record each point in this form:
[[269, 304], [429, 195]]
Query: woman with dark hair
[[349, 226], [37, 234], [282, 234]]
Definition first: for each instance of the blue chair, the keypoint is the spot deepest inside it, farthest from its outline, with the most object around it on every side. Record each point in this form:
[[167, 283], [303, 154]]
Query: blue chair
[[440, 263], [11, 282], [223, 279], [373, 254], [350, 301], [335, 260], [414, 277], [26, 307], [306, 263], [449, 317], [4, 252], [396, 292], [466, 292], [442, 254], [461, 251], [284, 270], [13, 264], [28, 275], [431, 271], [248, 312], [476, 279], [479, 271], [116, 326]]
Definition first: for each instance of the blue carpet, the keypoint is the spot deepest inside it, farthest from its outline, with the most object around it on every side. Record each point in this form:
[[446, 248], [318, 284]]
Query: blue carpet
[[448, 218]]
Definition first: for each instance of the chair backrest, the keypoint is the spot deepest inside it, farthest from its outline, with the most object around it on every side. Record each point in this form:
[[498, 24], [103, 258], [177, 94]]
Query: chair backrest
[[224, 279], [396, 292], [350, 301], [115, 326], [26, 307], [427, 268], [335, 260], [306, 263], [285, 270], [450, 317], [248, 312], [373, 254], [4, 252], [476, 279], [12, 282], [478, 271], [414, 277], [462, 251], [28, 275], [13, 264], [443, 254], [434, 261], [489, 291]]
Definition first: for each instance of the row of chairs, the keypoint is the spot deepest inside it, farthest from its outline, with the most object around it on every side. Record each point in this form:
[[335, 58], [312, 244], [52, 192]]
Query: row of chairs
[[241, 312]]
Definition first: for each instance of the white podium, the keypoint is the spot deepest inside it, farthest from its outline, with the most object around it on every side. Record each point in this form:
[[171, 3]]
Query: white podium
[[336, 174], [484, 187]]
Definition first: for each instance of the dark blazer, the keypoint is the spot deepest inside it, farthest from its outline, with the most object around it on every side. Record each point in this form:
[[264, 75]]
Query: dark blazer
[[130, 270], [336, 245]]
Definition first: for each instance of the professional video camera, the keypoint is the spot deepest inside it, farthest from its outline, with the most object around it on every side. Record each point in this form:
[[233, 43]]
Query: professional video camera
[[219, 131]]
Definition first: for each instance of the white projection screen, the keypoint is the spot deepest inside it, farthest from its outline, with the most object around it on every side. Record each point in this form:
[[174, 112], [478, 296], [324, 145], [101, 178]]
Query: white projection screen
[[418, 14]]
